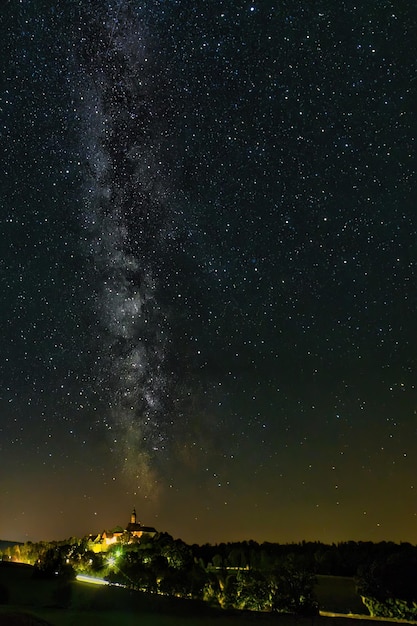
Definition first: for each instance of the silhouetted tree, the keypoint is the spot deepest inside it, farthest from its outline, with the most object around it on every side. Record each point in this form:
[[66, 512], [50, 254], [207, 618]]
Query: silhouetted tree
[[54, 563]]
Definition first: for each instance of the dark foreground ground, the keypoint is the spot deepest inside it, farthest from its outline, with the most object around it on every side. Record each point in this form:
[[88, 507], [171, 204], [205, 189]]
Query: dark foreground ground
[[28, 602]]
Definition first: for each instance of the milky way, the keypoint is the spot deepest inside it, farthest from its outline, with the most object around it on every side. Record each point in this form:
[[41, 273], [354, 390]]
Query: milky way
[[128, 222]]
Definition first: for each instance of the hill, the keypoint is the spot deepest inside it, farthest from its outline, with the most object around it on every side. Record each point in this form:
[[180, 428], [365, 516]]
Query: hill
[[7, 544], [25, 601]]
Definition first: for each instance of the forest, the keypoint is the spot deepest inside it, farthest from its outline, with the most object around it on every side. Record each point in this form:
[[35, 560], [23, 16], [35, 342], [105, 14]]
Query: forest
[[241, 575]]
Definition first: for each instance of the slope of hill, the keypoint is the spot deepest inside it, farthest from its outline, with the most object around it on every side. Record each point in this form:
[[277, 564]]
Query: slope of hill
[[7, 544]]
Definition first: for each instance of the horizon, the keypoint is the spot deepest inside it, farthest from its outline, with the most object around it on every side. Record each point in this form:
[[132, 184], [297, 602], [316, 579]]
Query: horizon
[[215, 541]]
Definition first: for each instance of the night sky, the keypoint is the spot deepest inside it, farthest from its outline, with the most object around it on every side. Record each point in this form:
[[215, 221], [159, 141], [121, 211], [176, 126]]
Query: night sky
[[208, 268]]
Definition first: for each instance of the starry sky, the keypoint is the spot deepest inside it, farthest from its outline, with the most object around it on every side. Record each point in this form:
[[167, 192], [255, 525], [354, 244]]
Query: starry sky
[[208, 269]]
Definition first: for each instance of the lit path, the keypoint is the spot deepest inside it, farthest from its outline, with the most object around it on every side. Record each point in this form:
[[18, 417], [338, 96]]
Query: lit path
[[91, 579]]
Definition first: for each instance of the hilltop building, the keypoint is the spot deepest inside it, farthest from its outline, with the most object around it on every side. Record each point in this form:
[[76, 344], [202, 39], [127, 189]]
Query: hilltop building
[[133, 529], [136, 529]]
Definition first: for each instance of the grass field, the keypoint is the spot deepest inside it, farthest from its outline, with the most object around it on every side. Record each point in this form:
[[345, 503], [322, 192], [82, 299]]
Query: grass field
[[337, 594], [80, 604], [123, 618]]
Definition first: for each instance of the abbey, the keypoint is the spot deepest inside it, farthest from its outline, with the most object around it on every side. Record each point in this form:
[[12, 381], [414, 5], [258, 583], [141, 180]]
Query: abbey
[[133, 529], [136, 529]]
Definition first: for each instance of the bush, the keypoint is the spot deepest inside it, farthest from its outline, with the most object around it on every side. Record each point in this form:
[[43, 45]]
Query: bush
[[392, 608], [53, 564]]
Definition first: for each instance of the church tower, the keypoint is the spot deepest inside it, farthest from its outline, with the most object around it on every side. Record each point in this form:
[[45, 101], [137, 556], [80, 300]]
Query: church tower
[[133, 517]]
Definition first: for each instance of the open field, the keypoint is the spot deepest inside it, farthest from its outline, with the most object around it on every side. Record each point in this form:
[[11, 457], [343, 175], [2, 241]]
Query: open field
[[55, 617], [124, 618], [337, 594]]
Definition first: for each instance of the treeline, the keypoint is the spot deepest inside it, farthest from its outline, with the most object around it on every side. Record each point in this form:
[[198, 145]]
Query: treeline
[[244, 575], [341, 559]]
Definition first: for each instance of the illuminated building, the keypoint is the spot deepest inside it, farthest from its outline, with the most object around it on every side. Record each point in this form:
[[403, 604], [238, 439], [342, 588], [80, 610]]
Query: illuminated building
[[134, 529]]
